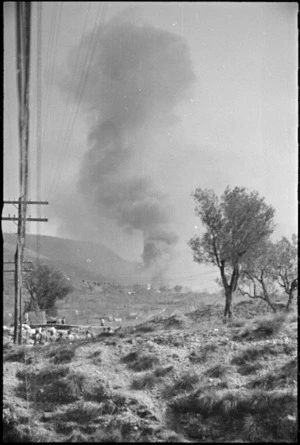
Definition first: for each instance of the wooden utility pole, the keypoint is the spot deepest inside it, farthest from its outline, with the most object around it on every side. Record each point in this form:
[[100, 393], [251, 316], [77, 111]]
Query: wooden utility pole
[[18, 261], [23, 31], [23, 21]]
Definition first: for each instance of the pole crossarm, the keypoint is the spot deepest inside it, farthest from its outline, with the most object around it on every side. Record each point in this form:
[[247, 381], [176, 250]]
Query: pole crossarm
[[12, 262], [13, 271], [16, 218], [27, 202]]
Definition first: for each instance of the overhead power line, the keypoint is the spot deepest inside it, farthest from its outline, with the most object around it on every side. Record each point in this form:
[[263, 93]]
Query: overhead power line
[[66, 143]]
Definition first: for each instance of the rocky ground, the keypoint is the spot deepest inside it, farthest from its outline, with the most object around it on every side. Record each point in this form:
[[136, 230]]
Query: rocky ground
[[182, 378]]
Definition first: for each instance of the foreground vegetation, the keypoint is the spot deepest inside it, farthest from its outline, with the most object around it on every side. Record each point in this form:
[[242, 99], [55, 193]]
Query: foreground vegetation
[[186, 377]]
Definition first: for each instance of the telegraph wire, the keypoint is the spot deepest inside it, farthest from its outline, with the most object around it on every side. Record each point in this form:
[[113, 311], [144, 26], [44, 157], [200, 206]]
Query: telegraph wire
[[39, 123], [66, 143], [51, 64], [55, 159], [48, 53]]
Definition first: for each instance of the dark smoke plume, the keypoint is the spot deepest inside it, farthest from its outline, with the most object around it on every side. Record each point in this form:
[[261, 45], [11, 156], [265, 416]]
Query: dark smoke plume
[[136, 77]]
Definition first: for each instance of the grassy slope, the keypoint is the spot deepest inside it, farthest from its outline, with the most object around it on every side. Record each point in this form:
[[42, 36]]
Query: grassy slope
[[184, 377]]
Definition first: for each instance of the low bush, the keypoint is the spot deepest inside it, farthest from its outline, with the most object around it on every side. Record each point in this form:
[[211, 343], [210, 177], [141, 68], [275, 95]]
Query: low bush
[[146, 381], [131, 357], [260, 414], [97, 392], [237, 323], [59, 386], [63, 354], [144, 329], [203, 353], [185, 383], [77, 436], [16, 354], [82, 413], [249, 368], [280, 377], [44, 376], [138, 361], [161, 371], [146, 361], [261, 327], [216, 371]]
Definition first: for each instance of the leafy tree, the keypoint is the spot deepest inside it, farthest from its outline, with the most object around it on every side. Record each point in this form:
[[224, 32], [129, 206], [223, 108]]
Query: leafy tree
[[286, 266], [46, 285], [178, 288], [235, 225], [275, 268], [257, 277]]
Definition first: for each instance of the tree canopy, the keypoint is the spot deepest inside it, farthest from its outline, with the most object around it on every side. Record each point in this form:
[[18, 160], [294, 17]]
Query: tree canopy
[[46, 285], [234, 227], [274, 270]]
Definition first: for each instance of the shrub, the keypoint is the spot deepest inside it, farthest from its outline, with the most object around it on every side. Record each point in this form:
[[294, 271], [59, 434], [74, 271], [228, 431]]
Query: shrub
[[270, 423], [144, 362], [216, 371], [82, 413], [131, 357], [52, 387], [17, 354], [249, 368], [146, 381], [237, 322], [97, 392], [77, 437], [201, 402], [63, 354], [280, 377], [144, 329], [161, 371], [151, 379], [44, 376], [201, 356], [261, 327], [185, 383], [137, 361]]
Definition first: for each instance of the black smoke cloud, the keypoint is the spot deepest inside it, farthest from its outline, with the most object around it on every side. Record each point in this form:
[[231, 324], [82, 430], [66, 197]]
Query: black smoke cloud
[[134, 79]]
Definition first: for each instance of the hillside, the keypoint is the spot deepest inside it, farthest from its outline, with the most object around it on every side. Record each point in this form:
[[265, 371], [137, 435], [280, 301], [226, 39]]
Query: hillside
[[78, 259], [185, 377]]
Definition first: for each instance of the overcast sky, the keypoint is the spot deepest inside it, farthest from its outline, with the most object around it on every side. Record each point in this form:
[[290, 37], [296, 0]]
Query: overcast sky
[[142, 102]]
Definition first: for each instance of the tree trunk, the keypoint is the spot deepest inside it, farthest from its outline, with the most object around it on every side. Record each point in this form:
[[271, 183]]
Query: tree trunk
[[228, 303], [293, 287], [266, 295], [291, 294]]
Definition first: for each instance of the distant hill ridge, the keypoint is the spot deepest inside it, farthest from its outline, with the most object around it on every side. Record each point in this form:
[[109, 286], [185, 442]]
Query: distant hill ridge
[[78, 259]]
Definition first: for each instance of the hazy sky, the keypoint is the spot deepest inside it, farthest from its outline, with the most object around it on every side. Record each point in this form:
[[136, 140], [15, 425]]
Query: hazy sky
[[143, 102]]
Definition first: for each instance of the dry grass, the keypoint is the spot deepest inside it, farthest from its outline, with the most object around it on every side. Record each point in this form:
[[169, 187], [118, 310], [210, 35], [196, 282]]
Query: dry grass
[[51, 385], [139, 361], [237, 323], [233, 407], [249, 368], [162, 371], [217, 371], [44, 376], [261, 327], [185, 383], [203, 353], [150, 379], [16, 354], [146, 381], [211, 402], [280, 377], [62, 354]]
